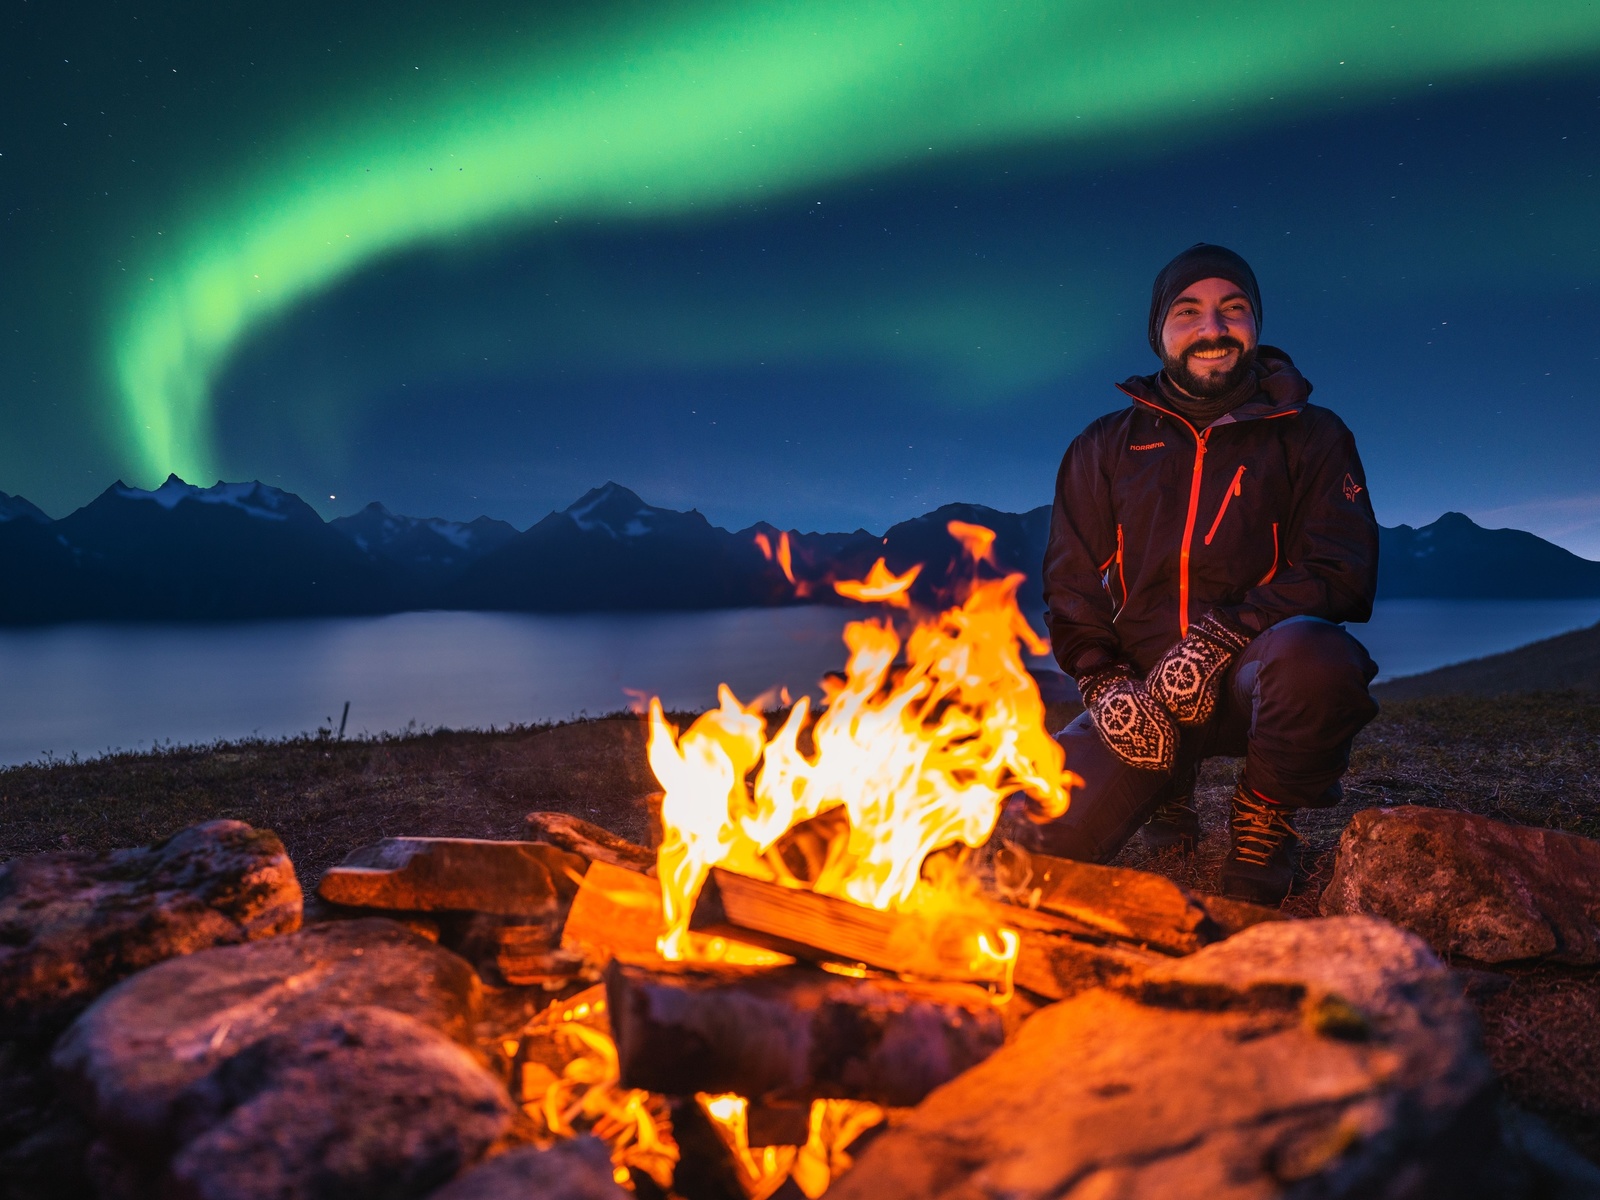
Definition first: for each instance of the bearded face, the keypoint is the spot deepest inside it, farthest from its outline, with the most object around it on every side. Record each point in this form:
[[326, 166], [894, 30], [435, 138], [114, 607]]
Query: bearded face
[[1199, 367], [1208, 341]]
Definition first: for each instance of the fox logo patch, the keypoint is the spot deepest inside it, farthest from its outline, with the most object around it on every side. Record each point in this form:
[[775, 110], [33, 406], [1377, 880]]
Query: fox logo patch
[[1352, 489]]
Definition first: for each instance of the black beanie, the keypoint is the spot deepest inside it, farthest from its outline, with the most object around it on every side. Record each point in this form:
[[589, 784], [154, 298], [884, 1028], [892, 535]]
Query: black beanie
[[1200, 261]]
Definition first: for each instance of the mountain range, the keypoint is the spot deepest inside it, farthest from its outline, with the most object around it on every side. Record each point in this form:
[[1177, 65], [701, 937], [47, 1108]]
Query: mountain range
[[247, 550]]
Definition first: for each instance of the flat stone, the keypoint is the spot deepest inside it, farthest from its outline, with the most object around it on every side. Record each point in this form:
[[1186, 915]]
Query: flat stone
[[1328, 1058], [588, 840], [72, 924], [574, 1170], [1472, 886], [521, 879], [365, 1104], [131, 1054]]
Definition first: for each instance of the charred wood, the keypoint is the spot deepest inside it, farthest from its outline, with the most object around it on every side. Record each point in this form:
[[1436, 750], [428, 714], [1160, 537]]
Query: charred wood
[[819, 928], [1136, 907], [588, 841], [794, 1033]]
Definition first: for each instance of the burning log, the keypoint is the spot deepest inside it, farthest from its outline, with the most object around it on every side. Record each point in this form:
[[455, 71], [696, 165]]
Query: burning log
[[1131, 906], [824, 929], [588, 841], [516, 879], [794, 1033], [1123, 905], [617, 913]]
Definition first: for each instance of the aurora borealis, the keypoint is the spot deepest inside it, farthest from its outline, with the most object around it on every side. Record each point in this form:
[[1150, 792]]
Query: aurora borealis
[[826, 263]]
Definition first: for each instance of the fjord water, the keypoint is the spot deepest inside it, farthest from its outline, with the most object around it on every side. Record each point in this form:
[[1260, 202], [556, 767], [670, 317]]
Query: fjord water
[[87, 689]]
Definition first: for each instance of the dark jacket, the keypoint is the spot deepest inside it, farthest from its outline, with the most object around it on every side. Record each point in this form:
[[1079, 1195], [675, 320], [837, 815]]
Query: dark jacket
[[1264, 514]]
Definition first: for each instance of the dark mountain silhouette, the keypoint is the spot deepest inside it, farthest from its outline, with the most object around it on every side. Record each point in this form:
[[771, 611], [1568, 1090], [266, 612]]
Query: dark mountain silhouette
[[611, 551], [430, 552], [184, 553], [13, 507], [246, 550], [1456, 557]]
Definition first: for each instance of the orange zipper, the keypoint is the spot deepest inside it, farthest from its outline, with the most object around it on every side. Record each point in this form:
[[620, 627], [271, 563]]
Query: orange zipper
[[1234, 489], [1121, 578], [1194, 508], [1267, 578]]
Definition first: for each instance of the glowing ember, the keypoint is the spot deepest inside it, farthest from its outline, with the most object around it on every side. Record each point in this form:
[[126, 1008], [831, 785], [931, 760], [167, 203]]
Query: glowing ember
[[919, 756], [585, 1097]]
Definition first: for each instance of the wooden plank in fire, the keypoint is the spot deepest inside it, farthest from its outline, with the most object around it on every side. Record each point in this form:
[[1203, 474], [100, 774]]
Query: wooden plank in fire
[[794, 1033], [819, 928], [1135, 907], [590, 841], [616, 914]]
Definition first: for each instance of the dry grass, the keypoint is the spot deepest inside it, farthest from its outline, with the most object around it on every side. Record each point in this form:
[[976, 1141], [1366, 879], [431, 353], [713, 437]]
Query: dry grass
[[326, 797]]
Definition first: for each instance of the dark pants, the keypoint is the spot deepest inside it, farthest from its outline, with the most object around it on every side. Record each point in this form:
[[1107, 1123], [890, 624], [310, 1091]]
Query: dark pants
[[1291, 705]]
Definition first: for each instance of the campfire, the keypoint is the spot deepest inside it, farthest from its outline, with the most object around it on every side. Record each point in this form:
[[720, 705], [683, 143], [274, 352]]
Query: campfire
[[843, 838], [817, 983]]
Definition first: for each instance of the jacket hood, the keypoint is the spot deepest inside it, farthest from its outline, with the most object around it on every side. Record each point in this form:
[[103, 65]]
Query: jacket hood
[[1280, 387]]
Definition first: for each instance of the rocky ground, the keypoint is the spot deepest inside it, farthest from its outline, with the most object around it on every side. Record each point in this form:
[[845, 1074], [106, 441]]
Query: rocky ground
[[1534, 760]]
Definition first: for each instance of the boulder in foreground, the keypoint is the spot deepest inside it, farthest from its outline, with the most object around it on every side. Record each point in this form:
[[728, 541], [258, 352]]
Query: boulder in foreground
[[576, 1170], [366, 1104], [130, 1057], [1331, 1058], [72, 924], [1470, 885]]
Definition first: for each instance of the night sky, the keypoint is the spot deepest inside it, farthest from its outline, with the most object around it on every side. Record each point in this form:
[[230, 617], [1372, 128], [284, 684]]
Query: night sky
[[830, 263]]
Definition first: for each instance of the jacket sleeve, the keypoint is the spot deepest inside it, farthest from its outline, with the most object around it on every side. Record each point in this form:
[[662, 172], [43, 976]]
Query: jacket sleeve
[[1330, 551], [1081, 547]]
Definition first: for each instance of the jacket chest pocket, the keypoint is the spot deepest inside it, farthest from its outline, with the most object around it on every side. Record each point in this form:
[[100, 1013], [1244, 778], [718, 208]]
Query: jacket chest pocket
[[1242, 535], [1235, 488]]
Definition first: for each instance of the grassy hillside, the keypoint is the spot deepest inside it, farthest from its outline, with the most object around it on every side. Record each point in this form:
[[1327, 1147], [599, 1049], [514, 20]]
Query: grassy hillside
[[1568, 662]]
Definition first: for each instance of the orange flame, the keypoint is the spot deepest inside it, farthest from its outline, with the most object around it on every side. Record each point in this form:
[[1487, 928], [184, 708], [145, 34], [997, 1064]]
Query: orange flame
[[881, 585], [586, 1096], [920, 756], [976, 540], [634, 1125], [783, 556]]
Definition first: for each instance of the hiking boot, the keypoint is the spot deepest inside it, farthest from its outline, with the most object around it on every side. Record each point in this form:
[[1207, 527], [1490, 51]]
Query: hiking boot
[[1175, 823], [1264, 850]]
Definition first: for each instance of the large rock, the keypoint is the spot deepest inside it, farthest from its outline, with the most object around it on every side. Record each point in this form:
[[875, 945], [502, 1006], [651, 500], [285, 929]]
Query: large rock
[[1472, 886], [362, 1105], [72, 924], [575, 1170], [1328, 1058], [135, 1051]]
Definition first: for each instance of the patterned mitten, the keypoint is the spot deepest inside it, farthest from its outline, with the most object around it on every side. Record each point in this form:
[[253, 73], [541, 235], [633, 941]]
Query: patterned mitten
[[1130, 721], [1188, 678]]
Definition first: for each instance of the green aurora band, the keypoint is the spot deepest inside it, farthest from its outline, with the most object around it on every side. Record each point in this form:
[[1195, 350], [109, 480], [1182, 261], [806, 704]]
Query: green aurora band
[[731, 102]]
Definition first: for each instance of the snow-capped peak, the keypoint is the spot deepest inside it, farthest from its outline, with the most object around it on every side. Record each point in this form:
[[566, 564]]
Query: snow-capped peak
[[612, 510], [254, 497]]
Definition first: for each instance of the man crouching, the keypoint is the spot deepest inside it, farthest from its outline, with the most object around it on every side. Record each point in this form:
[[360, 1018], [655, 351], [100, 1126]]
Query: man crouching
[[1205, 543]]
